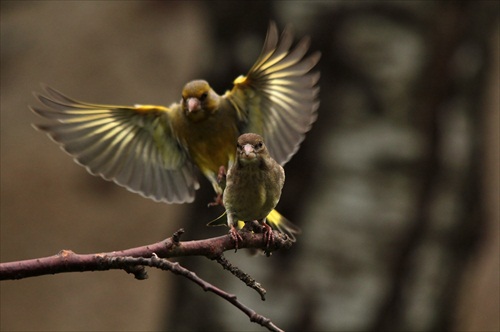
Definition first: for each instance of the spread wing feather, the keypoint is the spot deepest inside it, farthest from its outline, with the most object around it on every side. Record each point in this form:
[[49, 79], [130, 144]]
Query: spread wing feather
[[132, 146], [278, 98]]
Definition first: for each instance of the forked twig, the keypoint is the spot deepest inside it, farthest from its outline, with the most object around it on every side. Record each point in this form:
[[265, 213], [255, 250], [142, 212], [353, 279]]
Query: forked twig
[[134, 261]]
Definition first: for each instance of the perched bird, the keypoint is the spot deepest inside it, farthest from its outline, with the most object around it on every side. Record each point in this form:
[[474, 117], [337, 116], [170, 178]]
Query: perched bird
[[253, 185], [153, 150]]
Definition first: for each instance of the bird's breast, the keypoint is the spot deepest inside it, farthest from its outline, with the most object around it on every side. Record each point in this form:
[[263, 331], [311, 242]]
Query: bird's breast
[[210, 143], [250, 193]]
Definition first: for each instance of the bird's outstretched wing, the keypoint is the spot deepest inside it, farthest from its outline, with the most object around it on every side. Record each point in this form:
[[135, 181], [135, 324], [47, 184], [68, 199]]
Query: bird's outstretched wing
[[132, 146], [278, 98]]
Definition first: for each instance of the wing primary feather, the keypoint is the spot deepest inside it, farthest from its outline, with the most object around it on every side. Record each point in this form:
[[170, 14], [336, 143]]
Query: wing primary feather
[[132, 146], [281, 49]]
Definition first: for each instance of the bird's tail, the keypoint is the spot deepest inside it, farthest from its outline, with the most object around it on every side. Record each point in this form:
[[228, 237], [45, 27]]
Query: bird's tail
[[280, 223]]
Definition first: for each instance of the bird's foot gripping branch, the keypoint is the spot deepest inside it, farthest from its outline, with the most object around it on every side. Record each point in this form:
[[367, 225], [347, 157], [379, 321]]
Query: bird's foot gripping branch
[[156, 255]]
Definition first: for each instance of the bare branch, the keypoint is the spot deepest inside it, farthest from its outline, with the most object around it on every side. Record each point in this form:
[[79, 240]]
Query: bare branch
[[134, 261], [164, 264], [68, 261]]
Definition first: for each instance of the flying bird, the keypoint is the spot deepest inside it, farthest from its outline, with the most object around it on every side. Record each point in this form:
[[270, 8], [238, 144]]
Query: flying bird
[[153, 150]]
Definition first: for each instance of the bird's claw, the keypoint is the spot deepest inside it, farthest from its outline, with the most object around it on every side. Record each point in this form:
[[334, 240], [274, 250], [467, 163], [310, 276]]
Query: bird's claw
[[268, 234], [221, 175], [217, 201], [235, 235]]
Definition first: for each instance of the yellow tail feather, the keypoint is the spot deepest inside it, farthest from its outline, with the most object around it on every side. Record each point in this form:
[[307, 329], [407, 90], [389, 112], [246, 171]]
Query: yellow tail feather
[[280, 223], [274, 219]]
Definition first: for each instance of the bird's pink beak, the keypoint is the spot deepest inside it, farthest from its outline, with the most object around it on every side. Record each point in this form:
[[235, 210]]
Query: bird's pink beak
[[248, 148], [193, 104]]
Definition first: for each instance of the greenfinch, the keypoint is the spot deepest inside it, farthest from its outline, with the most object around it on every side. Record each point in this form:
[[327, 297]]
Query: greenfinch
[[253, 185], [153, 150]]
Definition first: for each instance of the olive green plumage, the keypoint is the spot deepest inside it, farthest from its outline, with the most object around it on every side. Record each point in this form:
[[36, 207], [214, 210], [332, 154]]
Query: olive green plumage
[[153, 150], [253, 183]]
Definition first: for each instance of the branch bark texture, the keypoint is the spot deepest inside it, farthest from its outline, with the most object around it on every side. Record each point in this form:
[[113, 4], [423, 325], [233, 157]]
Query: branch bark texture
[[69, 261]]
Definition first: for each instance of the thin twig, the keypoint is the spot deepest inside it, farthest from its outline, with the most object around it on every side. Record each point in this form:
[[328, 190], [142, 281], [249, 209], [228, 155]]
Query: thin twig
[[246, 278], [135, 259], [164, 264]]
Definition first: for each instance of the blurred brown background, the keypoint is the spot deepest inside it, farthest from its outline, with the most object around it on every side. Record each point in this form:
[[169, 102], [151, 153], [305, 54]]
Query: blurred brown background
[[396, 187]]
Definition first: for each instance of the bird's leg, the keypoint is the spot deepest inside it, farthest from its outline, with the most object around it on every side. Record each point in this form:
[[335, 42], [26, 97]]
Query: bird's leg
[[235, 235], [221, 177], [217, 201], [268, 233]]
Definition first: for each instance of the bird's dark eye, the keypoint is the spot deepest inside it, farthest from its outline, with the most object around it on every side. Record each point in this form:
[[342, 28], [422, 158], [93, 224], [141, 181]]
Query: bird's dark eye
[[239, 147], [258, 145], [203, 96]]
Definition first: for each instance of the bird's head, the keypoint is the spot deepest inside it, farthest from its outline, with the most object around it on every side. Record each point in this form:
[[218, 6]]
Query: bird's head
[[199, 100], [250, 148]]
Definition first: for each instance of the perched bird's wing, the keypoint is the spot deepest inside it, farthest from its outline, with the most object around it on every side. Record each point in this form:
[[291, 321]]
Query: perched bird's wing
[[132, 146], [278, 98]]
